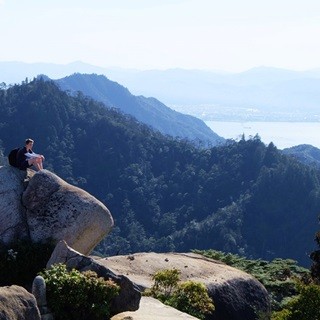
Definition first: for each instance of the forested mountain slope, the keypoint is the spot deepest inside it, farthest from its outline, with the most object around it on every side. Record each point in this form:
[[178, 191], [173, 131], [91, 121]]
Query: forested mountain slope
[[166, 194], [306, 153], [147, 110]]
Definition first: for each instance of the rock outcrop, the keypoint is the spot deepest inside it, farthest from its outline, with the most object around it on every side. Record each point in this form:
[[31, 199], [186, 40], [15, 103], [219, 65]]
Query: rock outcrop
[[129, 296], [16, 303], [13, 223], [236, 294], [50, 209]]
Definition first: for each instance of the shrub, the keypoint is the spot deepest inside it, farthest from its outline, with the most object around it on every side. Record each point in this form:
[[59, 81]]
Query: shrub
[[73, 295], [22, 260], [303, 307], [190, 296], [165, 282], [281, 315]]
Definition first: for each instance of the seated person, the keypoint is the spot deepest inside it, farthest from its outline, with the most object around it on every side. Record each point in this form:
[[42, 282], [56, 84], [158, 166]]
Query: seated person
[[26, 158]]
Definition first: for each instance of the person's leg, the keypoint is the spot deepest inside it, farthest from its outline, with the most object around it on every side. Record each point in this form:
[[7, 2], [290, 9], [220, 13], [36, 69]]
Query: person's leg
[[34, 162], [40, 163]]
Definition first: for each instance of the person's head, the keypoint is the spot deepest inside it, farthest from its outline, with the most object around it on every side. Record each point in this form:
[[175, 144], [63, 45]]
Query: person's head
[[29, 142]]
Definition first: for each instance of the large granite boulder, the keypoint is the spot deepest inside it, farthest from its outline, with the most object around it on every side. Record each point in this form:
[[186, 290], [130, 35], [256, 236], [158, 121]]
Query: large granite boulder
[[236, 294], [129, 296], [50, 209], [16, 303], [58, 210]]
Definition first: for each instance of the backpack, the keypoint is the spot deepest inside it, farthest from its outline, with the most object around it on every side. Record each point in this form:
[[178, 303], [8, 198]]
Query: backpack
[[12, 157]]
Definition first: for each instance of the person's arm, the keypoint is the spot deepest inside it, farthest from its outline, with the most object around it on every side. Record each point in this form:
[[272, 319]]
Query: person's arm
[[32, 155]]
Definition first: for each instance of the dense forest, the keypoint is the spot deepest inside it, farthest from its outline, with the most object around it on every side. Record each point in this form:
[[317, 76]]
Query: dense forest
[[167, 194]]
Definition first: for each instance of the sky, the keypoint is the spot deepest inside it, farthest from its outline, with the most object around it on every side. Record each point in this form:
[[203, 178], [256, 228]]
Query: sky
[[226, 35]]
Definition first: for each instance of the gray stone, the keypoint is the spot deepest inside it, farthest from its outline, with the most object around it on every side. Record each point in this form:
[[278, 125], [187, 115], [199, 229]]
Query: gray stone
[[39, 291], [239, 298], [16, 303], [129, 296]]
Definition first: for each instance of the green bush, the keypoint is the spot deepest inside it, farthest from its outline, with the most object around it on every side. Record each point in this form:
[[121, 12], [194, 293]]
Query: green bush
[[22, 260], [165, 281], [303, 307], [281, 315], [190, 297], [73, 295]]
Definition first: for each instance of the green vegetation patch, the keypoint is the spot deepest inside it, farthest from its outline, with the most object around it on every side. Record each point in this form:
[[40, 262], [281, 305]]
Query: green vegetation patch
[[279, 276], [305, 306], [190, 296], [75, 295]]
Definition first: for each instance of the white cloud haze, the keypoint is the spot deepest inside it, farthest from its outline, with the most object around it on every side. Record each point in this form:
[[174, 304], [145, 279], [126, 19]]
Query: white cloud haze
[[201, 34]]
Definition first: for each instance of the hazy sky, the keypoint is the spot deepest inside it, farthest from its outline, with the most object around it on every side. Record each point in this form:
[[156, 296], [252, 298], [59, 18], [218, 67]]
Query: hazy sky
[[230, 35]]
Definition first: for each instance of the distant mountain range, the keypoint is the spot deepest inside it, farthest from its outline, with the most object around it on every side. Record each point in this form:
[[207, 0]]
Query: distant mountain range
[[257, 94]]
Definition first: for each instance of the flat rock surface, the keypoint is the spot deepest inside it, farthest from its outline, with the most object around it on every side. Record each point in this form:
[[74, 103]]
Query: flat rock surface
[[236, 294], [140, 267], [153, 309]]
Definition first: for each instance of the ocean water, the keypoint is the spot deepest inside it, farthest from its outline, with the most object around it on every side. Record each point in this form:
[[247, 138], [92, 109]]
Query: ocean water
[[282, 134]]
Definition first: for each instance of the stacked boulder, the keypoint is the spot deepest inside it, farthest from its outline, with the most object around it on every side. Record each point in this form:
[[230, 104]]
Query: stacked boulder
[[40, 206]]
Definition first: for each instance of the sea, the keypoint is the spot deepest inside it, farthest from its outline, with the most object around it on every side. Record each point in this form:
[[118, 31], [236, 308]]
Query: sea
[[282, 134]]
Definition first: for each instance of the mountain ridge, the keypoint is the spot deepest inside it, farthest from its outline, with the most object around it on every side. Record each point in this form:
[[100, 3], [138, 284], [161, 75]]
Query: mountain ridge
[[146, 110], [305, 153]]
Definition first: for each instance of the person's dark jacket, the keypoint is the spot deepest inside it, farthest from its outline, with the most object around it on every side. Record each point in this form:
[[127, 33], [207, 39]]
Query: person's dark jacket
[[22, 160]]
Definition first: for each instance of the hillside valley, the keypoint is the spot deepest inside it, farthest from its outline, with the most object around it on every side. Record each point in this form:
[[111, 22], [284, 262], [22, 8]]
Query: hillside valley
[[167, 194]]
